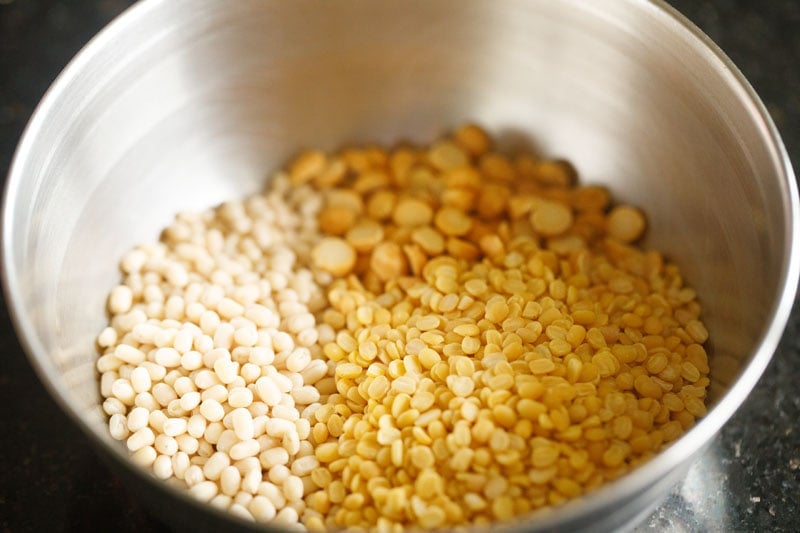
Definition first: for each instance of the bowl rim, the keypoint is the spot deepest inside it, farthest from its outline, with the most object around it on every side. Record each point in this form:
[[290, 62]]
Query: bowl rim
[[658, 467]]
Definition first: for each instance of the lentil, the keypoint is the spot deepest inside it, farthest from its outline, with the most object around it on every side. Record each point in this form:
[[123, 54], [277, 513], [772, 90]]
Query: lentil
[[186, 396], [333, 352], [527, 313]]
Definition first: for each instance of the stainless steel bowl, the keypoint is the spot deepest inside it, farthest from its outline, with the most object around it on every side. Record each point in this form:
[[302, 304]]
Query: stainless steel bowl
[[181, 104]]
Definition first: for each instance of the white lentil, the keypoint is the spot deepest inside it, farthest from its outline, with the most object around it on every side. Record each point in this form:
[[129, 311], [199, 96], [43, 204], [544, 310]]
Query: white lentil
[[262, 355], [230, 480], [162, 467], [193, 475], [203, 343], [120, 299], [194, 310], [304, 465], [174, 308], [293, 488], [123, 392], [305, 395], [118, 426], [314, 371], [286, 413], [138, 418], [274, 456], [278, 474], [307, 337], [107, 337], [140, 379], [144, 456], [190, 400], [205, 379], [281, 381], [259, 425], [249, 373], [173, 427], [286, 517], [163, 393], [108, 363], [229, 308], [212, 410], [157, 419], [180, 463], [204, 490], [176, 275], [213, 431], [240, 397], [218, 393], [306, 448], [166, 445], [168, 357], [183, 341], [164, 337], [124, 373], [141, 438], [258, 409], [226, 370], [262, 509], [298, 360], [174, 409], [211, 296], [133, 261], [296, 380], [215, 464], [251, 481], [157, 372], [243, 424], [127, 321], [245, 448], [240, 510], [187, 444], [268, 391], [129, 354], [246, 336], [282, 341], [171, 377], [106, 380], [226, 441], [223, 336]]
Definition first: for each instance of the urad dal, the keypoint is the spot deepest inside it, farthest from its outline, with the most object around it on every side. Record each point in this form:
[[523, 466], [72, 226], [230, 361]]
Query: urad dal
[[415, 337]]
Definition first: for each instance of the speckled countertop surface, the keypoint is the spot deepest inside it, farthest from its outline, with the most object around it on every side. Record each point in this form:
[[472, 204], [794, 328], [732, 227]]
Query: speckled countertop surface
[[50, 480]]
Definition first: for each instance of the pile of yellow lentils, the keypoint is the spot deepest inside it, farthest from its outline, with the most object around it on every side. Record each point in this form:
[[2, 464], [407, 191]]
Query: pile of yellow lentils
[[480, 338]]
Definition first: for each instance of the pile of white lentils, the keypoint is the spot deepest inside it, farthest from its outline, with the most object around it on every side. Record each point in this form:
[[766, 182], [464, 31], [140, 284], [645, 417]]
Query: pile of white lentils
[[419, 337]]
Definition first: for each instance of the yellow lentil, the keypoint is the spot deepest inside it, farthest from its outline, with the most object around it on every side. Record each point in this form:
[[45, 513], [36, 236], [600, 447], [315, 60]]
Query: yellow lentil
[[334, 255], [528, 355], [626, 223], [551, 218], [452, 221], [412, 212]]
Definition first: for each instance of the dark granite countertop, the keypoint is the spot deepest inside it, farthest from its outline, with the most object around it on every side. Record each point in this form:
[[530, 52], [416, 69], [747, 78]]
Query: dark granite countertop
[[50, 479]]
